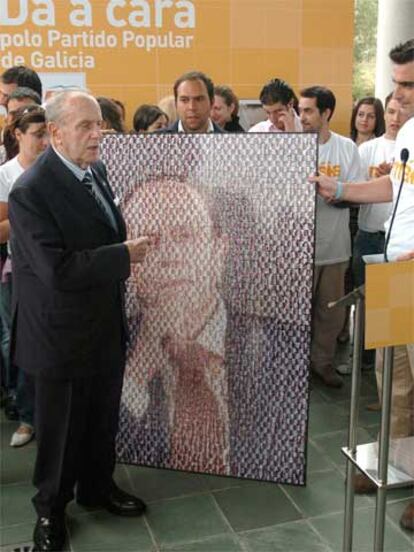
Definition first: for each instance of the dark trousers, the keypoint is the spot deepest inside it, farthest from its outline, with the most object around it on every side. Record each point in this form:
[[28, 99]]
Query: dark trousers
[[366, 243], [76, 422]]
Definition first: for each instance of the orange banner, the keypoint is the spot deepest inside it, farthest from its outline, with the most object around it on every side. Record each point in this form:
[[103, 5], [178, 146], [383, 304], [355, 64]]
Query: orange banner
[[389, 304], [134, 50]]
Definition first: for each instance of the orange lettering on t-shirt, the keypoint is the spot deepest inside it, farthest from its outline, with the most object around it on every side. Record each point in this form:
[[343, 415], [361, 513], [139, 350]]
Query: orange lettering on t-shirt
[[397, 170], [330, 170], [373, 171]]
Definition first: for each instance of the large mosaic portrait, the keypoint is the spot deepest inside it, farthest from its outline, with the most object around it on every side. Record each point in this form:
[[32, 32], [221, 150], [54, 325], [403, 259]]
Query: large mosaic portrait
[[220, 311]]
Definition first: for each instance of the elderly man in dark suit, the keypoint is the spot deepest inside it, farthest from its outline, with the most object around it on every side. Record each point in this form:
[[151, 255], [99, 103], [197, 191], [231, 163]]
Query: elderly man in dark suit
[[70, 261], [194, 97]]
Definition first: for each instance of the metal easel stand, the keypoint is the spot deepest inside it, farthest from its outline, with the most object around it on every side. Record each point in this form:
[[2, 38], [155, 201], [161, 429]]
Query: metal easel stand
[[372, 458]]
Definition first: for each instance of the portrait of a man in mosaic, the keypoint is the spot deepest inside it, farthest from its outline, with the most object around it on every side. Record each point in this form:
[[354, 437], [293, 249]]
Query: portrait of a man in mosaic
[[178, 343]]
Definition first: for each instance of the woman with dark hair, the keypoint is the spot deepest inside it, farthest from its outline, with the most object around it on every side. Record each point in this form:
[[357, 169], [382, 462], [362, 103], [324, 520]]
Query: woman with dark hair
[[149, 118], [367, 120], [111, 115], [26, 135], [225, 109]]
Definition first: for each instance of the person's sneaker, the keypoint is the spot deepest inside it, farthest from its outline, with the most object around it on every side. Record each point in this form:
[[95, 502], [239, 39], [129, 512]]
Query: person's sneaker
[[23, 435], [407, 518]]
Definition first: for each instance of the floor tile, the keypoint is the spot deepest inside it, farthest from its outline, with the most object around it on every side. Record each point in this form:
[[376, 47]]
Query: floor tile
[[153, 485], [365, 417], [324, 493], [317, 460], [292, 537], [331, 444], [105, 532], [327, 417], [16, 465], [221, 543], [15, 504], [395, 510], [255, 506], [186, 520], [16, 534], [331, 528]]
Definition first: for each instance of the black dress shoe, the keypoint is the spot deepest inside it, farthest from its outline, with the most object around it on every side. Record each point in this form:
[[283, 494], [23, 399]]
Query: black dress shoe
[[117, 502], [49, 534]]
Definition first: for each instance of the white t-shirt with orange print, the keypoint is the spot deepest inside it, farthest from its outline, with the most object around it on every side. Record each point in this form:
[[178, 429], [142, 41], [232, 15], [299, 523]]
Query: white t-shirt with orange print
[[402, 233], [338, 158]]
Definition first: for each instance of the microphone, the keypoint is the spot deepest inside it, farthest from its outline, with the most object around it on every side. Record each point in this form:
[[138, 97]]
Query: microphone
[[404, 155]]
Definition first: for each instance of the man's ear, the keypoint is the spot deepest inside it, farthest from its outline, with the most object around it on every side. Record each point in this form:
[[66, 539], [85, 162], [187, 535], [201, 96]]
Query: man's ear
[[54, 132], [327, 114]]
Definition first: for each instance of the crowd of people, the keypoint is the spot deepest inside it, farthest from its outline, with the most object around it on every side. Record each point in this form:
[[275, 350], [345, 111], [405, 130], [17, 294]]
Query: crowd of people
[[63, 269]]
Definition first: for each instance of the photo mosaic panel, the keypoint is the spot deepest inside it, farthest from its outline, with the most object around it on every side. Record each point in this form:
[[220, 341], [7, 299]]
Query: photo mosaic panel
[[220, 311]]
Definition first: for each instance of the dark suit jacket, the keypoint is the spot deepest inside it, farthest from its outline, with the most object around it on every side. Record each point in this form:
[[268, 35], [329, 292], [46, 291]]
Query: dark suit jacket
[[172, 129], [69, 267]]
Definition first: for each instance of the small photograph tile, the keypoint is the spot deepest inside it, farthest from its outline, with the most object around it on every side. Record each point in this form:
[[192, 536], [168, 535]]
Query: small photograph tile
[[105, 532], [325, 493], [254, 506], [220, 543], [153, 485], [16, 505], [187, 519], [331, 528], [294, 537]]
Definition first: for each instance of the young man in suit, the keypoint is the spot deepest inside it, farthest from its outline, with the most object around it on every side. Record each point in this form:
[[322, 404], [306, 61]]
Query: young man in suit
[[194, 97], [70, 262]]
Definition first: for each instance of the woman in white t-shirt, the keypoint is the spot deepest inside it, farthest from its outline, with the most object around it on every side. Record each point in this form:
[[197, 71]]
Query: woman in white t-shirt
[[26, 134]]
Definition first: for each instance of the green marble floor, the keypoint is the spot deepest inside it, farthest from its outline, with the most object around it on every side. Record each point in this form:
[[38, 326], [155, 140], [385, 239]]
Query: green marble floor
[[197, 513]]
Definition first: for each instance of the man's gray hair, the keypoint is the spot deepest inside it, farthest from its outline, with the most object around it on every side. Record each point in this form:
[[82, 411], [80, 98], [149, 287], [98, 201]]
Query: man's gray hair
[[56, 106]]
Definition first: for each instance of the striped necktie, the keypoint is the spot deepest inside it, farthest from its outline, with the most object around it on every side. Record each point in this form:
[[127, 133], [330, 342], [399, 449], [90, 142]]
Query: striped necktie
[[88, 183]]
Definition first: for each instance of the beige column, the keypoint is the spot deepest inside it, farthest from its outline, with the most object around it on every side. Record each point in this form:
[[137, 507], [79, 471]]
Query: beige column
[[395, 25]]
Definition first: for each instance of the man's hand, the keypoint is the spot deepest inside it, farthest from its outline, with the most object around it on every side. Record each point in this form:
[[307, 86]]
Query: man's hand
[[409, 256], [138, 248], [287, 118], [326, 186], [383, 169]]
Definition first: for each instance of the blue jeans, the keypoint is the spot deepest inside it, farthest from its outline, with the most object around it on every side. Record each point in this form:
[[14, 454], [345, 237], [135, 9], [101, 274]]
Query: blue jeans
[[5, 314], [18, 384], [366, 243]]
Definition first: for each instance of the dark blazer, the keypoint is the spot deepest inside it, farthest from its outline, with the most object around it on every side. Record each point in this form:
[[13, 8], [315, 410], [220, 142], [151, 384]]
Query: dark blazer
[[172, 129], [69, 267]]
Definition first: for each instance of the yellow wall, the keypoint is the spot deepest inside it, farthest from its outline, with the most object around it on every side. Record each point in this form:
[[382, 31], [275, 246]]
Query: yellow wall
[[242, 43]]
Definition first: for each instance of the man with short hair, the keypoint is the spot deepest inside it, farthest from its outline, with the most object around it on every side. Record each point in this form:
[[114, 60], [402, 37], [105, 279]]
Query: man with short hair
[[16, 76], [194, 97], [278, 101], [401, 239], [337, 156], [377, 156], [21, 96], [70, 262]]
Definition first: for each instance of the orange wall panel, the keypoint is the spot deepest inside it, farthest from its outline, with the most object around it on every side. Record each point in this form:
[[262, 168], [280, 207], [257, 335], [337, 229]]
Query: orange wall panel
[[242, 43]]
